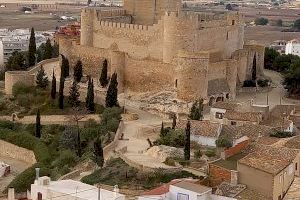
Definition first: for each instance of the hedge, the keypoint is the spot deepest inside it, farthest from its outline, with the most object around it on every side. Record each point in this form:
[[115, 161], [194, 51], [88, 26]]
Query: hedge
[[27, 141], [24, 180]]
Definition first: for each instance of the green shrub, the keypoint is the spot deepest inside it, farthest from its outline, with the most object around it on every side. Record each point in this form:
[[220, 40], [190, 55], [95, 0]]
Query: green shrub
[[263, 82], [8, 125], [282, 134], [249, 83], [110, 113], [261, 21], [170, 161], [112, 125], [66, 158], [42, 153], [21, 88], [224, 142], [174, 138], [210, 153], [197, 154]]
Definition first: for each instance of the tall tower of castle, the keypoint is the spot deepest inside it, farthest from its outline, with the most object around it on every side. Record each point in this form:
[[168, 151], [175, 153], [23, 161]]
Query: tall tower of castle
[[148, 12]]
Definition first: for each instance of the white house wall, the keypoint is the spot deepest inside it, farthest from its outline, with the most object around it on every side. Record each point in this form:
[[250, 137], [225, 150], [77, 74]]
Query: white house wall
[[207, 141]]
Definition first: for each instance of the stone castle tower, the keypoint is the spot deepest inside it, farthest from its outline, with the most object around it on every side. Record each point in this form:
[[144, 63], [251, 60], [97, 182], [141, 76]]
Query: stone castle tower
[[154, 45]]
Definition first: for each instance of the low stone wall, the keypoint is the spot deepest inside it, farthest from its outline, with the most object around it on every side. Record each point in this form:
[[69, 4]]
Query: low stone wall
[[15, 152], [28, 77], [108, 149]]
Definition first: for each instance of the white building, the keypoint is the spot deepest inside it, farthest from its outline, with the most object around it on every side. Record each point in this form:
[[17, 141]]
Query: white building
[[44, 188], [182, 190], [293, 47], [203, 132], [18, 40]]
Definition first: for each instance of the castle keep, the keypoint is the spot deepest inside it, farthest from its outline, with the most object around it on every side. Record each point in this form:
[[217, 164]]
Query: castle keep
[[154, 45]]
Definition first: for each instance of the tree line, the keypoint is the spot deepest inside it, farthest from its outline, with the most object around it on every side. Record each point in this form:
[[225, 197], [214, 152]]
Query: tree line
[[288, 66]]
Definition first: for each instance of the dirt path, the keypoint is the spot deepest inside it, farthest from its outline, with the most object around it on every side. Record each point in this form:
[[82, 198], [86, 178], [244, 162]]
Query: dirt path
[[278, 92], [17, 167], [135, 139]]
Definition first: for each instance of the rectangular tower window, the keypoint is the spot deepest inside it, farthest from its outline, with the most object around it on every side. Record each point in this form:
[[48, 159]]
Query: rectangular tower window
[[233, 22]]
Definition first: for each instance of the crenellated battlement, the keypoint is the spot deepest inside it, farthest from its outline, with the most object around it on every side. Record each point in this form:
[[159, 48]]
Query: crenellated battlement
[[110, 13], [123, 25], [206, 20]]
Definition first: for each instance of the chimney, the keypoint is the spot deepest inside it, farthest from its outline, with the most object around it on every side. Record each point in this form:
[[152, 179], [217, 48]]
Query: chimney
[[11, 194], [37, 173], [116, 190]]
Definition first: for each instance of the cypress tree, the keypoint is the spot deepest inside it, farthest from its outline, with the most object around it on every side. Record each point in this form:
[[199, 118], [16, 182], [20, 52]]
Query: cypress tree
[[89, 101], [162, 130], [98, 152], [38, 124], [174, 121], [112, 92], [48, 50], [31, 49], [78, 71], [53, 86], [74, 95], [41, 78], [61, 93], [254, 68], [65, 67], [103, 77], [187, 144]]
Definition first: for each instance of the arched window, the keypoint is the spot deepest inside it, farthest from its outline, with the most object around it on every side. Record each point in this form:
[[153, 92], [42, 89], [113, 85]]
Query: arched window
[[39, 196]]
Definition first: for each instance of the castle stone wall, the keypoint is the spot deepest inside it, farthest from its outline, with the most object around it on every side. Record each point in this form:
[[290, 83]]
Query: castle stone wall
[[192, 75], [148, 75], [136, 40]]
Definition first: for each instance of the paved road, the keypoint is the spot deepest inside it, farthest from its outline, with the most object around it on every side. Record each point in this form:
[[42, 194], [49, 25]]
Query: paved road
[[273, 96]]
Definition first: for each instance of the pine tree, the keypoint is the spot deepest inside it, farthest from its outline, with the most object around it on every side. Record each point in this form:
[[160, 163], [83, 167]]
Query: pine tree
[[55, 50], [103, 77], [78, 71], [31, 49], [98, 152], [200, 109], [41, 78], [61, 93], [38, 124], [162, 130], [48, 50], [53, 86], [74, 95], [89, 101], [112, 92], [187, 144]]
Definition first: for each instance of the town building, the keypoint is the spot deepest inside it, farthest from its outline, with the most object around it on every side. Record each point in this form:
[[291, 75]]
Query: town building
[[293, 47], [269, 170], [203, 132], [182, 190], [44, 188], [159, 47], [279, 46]]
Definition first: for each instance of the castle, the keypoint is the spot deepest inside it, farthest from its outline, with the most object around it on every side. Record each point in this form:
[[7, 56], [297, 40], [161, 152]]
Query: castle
[[154, 45]]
